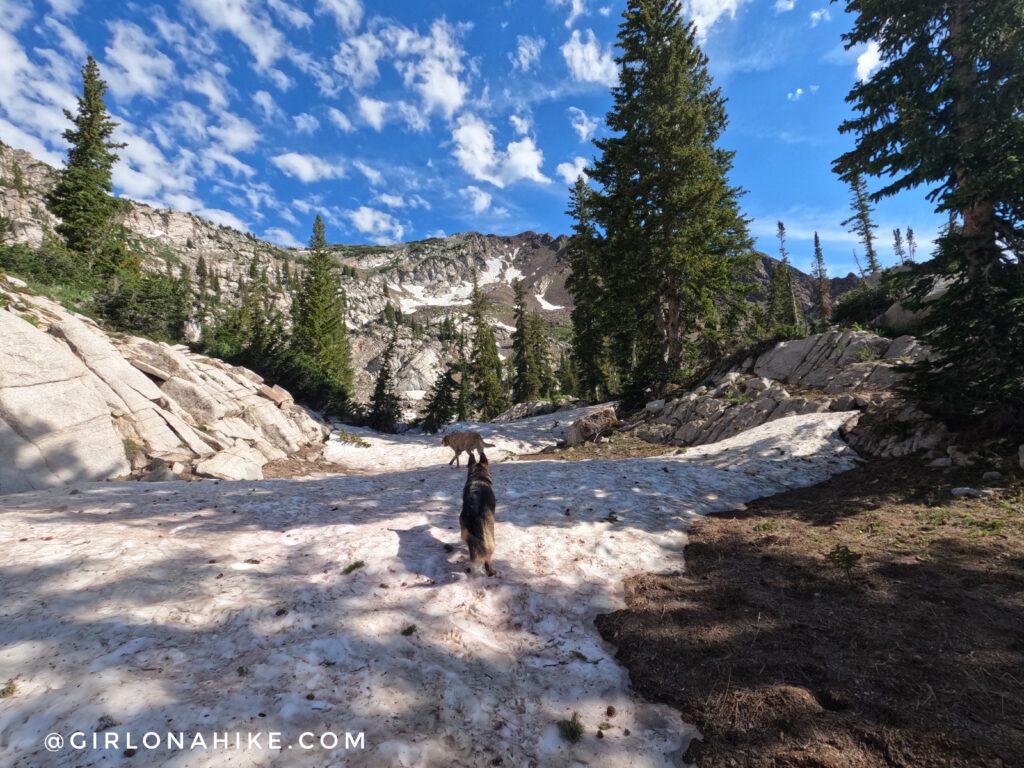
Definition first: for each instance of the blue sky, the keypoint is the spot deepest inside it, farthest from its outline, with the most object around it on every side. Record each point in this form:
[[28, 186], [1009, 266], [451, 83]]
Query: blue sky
[[400, 120]]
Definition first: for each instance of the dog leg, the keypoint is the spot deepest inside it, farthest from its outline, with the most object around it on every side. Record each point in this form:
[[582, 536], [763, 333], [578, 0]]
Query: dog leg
[[487, 567]]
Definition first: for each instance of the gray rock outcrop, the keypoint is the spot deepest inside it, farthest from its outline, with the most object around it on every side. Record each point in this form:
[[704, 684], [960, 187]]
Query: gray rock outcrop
[[78, 404]]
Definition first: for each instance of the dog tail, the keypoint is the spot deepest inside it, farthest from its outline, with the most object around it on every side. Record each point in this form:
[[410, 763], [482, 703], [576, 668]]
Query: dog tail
[[487, 445], [479, 540], [480, 547]]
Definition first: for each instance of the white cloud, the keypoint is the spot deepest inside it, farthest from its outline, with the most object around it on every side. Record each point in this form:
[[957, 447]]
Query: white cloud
[[572, 171], [431, 65], [477, 155], [267, 105], [282, 237], [69, 41], [211, 86], [605, 10], [413, 117], [65, 8], [13, 14], [372, 175], [521, 124], [340, 120], [235, 133], [380, 227], [305, 122], [479, 200], [782, 6], [576, 9], [211, 157], [356, 60], [228, 219], [706, 13], [290, 14], [280, 79], [391, 201], [306, 168], [134, 65], [16, 137], [869, 61], [586, 60], [795, 95], [348, 13], [819, 16], [582, 123], [247, 22], [527, 53], [373, 112]]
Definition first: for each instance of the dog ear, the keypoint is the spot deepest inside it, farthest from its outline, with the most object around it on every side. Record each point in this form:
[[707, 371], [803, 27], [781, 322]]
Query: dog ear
[[472, 459], [483, 457]]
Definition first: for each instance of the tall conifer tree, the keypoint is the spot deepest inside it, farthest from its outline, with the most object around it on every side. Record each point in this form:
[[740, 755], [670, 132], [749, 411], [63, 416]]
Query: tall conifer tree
[[589, 348], [861, 223], [822, 286], [320, 345], [385, 410], [485, 364], [676, 245], [82, 197], [943, 110]]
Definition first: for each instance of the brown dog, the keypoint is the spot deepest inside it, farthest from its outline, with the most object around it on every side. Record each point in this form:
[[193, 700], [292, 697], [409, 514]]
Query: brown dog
[[464, 441], [477, 518]]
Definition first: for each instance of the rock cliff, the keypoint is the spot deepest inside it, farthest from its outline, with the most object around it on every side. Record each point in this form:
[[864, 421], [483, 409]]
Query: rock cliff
[[78, 404]]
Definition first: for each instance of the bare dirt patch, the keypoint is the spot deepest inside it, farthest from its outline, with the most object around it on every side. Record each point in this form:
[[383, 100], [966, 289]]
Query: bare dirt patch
[[308, 462], [618, 445], [914, 659]]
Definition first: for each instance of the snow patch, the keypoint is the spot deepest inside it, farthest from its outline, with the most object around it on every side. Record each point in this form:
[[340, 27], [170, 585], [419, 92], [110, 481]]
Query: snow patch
[[282, 605]]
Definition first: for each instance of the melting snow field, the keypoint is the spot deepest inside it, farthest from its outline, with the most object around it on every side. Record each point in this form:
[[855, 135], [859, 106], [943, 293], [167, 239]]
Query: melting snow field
[[215, 607]]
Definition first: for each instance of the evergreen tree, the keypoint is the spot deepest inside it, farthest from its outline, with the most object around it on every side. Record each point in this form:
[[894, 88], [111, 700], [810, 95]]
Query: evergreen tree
[[860, 222], [82, 197], [463, 375], [442, 401], [897, 246], [568, 383], [485, 364], [526, 379], [944, 111], [675, 248], [589, 347], [384, 406], [785, 316], [822, 286], [540, 356], [320, 345], [911, 245]]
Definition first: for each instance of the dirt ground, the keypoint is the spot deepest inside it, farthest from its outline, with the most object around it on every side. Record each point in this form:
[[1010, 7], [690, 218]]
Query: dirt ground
[[619, 445], [915, 658]]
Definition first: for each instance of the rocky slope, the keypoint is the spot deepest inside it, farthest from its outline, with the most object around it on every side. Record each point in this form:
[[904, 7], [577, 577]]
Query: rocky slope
[[838, 371], [427, 280], [77, 404]]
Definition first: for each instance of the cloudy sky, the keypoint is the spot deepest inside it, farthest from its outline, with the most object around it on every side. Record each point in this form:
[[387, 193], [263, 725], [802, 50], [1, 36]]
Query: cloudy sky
[[403, 119]]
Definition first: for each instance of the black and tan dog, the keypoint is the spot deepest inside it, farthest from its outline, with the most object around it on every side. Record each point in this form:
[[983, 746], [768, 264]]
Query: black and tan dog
[[477, 518]]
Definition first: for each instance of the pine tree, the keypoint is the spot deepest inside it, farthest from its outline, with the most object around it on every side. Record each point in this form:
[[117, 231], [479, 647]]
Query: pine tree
[[82, 197], [942, 112], [860, 222], [385, 409], [485, 364], [676, 247], [897, 246], [785, 316], [526, 379], [589, 347], [911, 245], [822, 286], [568, 383], [540, 356], [320, 345], [442, 404]]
